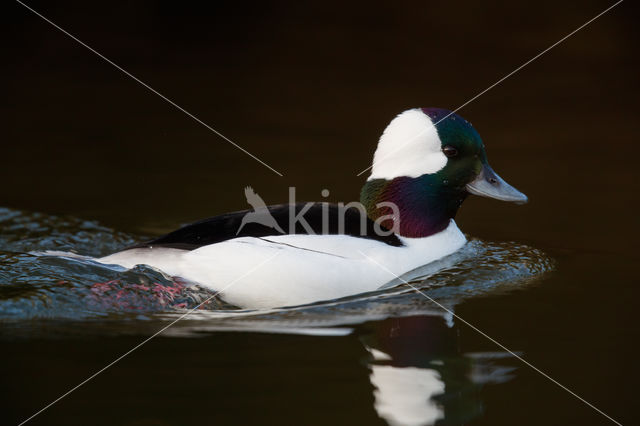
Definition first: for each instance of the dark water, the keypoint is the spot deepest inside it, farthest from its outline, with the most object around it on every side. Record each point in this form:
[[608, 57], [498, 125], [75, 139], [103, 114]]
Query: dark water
[[409, 343], [91, 162]]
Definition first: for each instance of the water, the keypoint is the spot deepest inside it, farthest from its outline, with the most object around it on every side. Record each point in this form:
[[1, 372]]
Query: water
[[40, 281], [308, 89], [45, 296]]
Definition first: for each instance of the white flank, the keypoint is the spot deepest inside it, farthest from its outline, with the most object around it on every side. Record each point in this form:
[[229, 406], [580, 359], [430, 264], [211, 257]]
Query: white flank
[[310, 268]]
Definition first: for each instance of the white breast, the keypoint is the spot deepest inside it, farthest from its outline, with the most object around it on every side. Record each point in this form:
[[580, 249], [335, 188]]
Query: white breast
[[288, 270]]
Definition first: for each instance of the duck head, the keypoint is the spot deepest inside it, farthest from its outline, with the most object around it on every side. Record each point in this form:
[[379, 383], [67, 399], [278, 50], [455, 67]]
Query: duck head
[[428, 160]]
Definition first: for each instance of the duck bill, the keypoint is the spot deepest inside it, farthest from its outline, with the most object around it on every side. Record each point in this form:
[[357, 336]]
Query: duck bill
[[489, 184]]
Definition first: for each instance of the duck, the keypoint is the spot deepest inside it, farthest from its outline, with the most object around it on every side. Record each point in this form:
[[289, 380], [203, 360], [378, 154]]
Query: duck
[[426, 163]]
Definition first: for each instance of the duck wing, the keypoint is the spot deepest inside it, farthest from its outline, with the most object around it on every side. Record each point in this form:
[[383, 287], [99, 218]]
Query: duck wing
[[225, 227]]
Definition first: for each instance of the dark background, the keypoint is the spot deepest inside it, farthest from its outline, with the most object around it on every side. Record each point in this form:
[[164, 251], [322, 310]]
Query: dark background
[[308, 88]]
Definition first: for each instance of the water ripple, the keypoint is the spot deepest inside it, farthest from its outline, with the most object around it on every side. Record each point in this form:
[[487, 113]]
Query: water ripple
[[34, 287]]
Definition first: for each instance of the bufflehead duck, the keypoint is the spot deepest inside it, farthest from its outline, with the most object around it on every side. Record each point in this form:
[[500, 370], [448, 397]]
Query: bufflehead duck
[[427, 161]]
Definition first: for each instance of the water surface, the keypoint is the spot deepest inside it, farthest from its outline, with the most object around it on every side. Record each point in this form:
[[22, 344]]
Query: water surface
[[46, 294], [91, 161]]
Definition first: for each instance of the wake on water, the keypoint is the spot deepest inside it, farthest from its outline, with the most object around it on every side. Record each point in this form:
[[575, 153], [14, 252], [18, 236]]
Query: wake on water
[[73, 288]]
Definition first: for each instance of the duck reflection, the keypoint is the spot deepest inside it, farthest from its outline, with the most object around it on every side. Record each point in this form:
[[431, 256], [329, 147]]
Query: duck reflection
[[419, 375]]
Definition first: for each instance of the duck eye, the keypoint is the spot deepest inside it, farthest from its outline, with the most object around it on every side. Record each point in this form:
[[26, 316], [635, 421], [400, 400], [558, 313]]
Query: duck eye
[[449, 151]]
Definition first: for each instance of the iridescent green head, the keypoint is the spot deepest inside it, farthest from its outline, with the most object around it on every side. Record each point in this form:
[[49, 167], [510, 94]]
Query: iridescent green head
[[427, 161]]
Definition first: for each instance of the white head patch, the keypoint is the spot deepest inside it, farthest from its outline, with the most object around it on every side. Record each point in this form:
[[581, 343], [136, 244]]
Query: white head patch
[[409, 146]]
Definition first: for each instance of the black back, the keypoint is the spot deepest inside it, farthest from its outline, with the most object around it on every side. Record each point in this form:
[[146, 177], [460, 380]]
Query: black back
[[225, 227]]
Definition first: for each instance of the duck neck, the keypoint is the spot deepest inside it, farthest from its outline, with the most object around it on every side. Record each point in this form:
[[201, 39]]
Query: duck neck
[[412, 207]]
